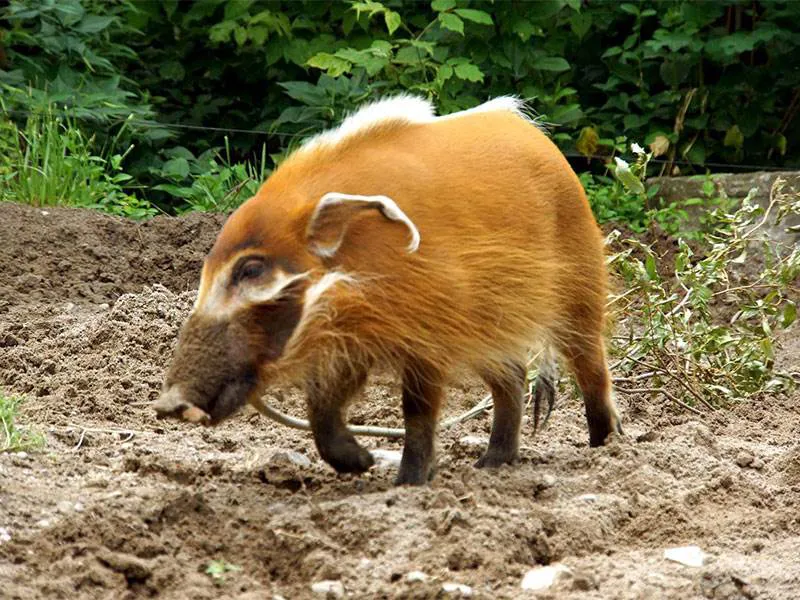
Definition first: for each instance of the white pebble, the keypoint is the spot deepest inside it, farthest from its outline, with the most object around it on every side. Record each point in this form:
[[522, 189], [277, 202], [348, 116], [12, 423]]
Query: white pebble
[[329, 588], [690, 556], [43, 523], [5, 535], [472, 441], [588, 497], [290, 457], [415, 576], [542, 578], [21, 455], [457, 588], [78, 507], [390, 458]]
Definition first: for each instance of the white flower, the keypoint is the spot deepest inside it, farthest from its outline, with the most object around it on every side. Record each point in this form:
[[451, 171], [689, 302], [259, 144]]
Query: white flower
[[636, 148]]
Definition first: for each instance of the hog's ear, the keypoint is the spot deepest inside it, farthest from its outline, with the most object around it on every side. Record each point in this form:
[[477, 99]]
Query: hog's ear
[[329, 222]]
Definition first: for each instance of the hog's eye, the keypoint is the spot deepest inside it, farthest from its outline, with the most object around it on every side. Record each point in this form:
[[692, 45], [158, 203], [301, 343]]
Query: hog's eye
[[250, 269]]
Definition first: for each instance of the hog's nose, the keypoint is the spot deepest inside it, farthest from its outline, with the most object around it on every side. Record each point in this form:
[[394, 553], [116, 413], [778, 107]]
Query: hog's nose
[[171, 403]]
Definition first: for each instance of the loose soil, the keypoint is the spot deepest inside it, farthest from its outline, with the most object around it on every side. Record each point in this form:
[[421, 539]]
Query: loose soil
[[120, 505]]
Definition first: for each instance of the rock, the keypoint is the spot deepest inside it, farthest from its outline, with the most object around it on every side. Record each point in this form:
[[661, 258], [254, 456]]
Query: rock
[[458, 589], [736, 186], [387, 458], [64, 507], [690, 556], [744, 459], [548, 481], [416, 576], [330, 588], [289, 458], [757, 463], [22, 455], [542, 578], [588, 497], [5, 535], [472, 441]]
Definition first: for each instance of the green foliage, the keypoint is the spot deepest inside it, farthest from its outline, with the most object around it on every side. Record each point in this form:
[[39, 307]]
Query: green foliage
[[698, 82], [51, 162], [12, 437], [210, 182], [678, 333]]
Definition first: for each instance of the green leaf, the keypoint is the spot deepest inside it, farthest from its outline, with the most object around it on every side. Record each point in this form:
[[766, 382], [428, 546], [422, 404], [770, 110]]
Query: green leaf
[[177, 168], [409, 55], [468, 72], [451, 22], [631, 9], [734, 137], [650, 267], [240, 35], [172, 70], [580, 23], [443, 5], [332, 65], [523, 28], [613, 51], [476, 16], [551, 63], [393, 21], [93, 24], [789, 314]]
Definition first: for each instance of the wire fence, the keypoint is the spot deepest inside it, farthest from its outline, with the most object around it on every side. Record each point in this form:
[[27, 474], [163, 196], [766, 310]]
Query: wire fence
[[295, 135]]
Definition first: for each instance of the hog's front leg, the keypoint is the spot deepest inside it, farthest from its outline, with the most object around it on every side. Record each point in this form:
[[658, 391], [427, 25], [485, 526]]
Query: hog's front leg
[[327, 399]]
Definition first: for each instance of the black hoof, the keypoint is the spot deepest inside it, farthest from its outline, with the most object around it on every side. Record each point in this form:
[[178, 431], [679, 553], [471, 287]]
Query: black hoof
[[346, 456], [493, 459]]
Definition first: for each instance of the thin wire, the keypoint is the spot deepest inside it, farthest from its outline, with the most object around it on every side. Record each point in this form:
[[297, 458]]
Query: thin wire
[[291, 134]]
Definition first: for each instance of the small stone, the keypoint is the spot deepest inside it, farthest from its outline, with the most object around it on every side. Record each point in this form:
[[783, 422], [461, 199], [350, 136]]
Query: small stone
[[22, 455], [5, 536], [64, 507], [289, 457], [744, 459], [43, 523], [388, 458], [542, 578], [78, 507], [416, 576], [757, 463], [588, 497], [44, 213], [457, 588], [330, 588], [690, 556], [364, 563], [472, 441], [103, 306], [548, 480]]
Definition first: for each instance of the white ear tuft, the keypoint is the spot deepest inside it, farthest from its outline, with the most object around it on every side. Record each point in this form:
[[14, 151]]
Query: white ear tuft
[[346, 205]]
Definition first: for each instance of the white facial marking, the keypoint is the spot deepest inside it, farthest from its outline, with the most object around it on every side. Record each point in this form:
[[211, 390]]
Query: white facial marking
[[259, 295], [388, 209]]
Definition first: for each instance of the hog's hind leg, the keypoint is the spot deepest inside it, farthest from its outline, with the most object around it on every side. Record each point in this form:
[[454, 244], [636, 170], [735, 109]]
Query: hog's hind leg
[[508, 389], [422, 397]]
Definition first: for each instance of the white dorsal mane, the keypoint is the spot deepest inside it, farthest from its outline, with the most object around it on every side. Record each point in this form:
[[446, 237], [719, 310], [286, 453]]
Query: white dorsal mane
[[410, 109]]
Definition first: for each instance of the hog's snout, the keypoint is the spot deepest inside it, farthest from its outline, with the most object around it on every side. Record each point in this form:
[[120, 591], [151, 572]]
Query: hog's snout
[[172, 404]]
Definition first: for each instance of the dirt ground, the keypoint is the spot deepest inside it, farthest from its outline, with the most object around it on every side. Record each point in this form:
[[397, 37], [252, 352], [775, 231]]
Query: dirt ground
[[120, 505]]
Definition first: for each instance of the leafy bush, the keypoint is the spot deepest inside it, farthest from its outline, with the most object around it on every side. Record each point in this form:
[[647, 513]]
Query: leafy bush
[[679, 334], [51, 162]]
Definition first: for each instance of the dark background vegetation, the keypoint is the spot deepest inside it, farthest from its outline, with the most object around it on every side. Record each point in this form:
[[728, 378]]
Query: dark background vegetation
[[200, 88]]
